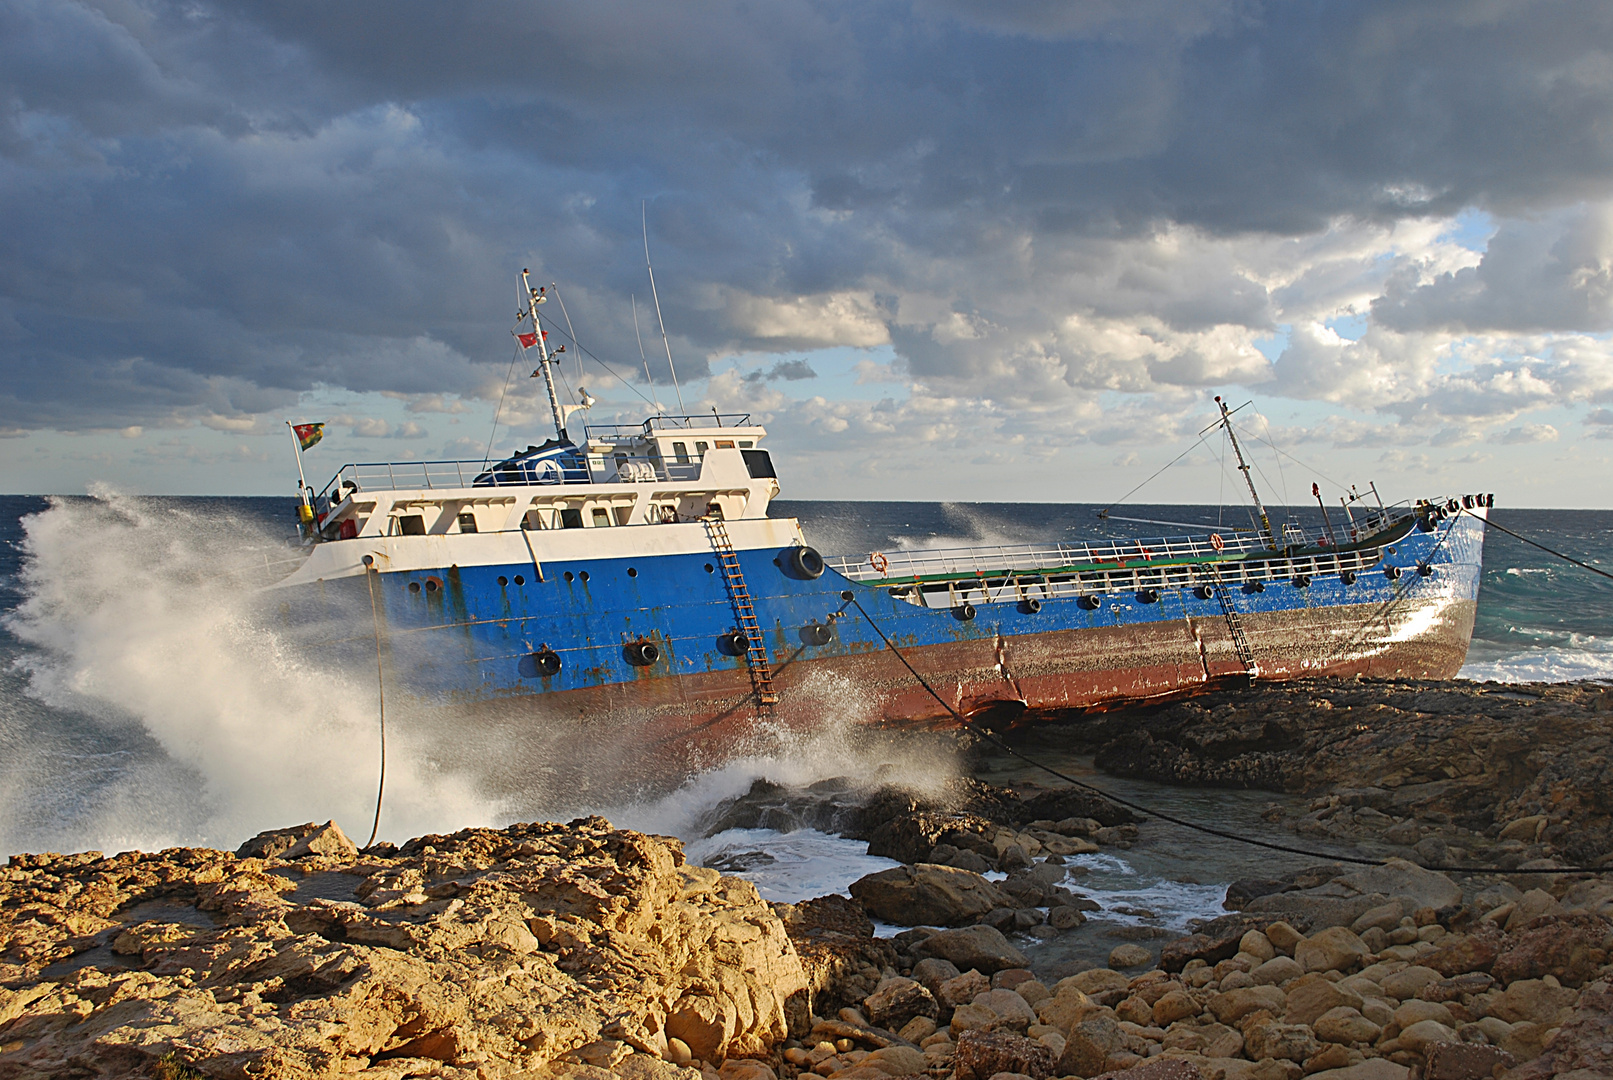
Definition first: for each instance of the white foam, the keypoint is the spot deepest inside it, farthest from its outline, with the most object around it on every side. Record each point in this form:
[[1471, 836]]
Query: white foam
[[1125, 894], [1559, 657], [796, 866], [143, 612]]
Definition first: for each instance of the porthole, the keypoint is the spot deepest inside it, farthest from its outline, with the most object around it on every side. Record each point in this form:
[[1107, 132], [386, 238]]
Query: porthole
[[583, 574], [710, 568], [570, 576], [414, 586], [432, 584], [503, 581], [632, 572], [519, 580]]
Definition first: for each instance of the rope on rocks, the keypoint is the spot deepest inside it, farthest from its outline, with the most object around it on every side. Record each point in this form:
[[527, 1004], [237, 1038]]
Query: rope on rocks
[[1183, 822], [380, 690]]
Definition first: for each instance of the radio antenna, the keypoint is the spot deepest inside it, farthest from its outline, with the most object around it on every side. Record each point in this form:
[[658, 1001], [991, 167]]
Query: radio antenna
[[644, 222], [645, 359]]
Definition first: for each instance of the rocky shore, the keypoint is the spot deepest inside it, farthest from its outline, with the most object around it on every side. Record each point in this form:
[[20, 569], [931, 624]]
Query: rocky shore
[[554, 951]]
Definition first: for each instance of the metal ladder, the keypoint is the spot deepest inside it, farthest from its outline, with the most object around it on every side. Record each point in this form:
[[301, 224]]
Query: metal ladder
[[1240, 641], [761, 671]]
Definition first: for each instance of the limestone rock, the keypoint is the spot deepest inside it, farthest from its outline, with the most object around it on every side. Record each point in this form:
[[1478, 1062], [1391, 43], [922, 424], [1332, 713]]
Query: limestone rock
[[980, 947], [1011, 1010], [1423, 1034], [1465, 1061], [1234, 1005], [1287, 1042], [983, 1054], [1308, 1000], [933, 972], [1459, 954], [1283, 937], [1370, 1069], [1129, 956], [1534, 1000], [327, 840], [1583, 1046], [927, 894], [962, 989], [1569, 947]]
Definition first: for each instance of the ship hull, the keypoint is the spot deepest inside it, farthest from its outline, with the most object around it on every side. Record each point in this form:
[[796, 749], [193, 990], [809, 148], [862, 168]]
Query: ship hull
[[459, 624]]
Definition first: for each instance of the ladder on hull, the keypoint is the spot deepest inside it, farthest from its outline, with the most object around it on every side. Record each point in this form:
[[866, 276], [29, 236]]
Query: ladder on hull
[[761, 670], [1240, 641]]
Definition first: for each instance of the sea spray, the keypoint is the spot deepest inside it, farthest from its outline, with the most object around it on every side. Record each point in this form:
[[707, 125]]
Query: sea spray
[[147, 619]]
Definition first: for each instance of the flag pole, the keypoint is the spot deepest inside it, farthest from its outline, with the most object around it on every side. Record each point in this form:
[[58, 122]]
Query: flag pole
[[305, 509]]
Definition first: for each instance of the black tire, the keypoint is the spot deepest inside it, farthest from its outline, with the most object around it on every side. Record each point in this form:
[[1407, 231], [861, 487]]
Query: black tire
[[734, 643], [806, 562], [816, 634], [1348, 577], [548, 662], [1392, 573], [642, 653], [964, 611], [1031, 606]]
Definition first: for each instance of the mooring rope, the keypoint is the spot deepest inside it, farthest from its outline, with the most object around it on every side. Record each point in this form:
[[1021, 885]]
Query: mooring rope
[[380, 690], [1209, 830]]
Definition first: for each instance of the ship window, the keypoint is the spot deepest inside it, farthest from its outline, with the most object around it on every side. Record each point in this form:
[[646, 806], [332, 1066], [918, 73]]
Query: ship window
[[622, 514], [746, 444], [601, 517], [758, 463], [467, 523], [533, 520], [725, 444], [414, 586], [700, 449], [681, 452], [583, 574], [631, 572], [714, 509], [570, 576], [412, 525], [519, 580], [503, 581], [570, 518], [621, 463], [710, 568]]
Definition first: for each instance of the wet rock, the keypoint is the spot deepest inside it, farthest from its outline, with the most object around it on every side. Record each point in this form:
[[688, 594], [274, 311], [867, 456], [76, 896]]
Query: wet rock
[[927, 894], [910, 837], [983, 1054], [932, 973]]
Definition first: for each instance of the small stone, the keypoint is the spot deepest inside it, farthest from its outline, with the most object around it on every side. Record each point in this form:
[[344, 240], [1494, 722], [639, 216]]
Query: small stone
[[1345, 1025], [1288, 1042], [898, 1000], [1423, 1034], [983, 1054], [1258, 945], [1175, 1005], [1277, 970], [1333, 949], [1415, 1012], [1465, 1061], [745, 1069], [962, 989], [677, 1052], [1406, 982]]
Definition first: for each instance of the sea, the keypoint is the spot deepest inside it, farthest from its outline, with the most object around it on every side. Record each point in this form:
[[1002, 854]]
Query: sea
[[152, 696]]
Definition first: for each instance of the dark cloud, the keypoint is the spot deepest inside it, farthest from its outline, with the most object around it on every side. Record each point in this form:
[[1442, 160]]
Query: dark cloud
[[212, 207]]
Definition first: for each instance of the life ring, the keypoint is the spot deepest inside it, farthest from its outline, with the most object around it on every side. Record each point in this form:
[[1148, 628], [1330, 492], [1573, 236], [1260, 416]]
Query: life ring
[[1217, 543], [879, 563]]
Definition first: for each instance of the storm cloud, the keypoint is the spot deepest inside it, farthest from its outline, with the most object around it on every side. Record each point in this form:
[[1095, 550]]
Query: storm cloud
[[212, 208]]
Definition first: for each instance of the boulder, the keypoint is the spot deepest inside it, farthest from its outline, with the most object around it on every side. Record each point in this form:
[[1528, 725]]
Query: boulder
[[1310, 999], [1415, 1012], [1285, 1042], [1406, 982], [1583, 1046], [1258, 945], [1158, 1069], [1370, 1069], [1087, 1047], [1459, 954], [1011, 1010], [980, 947], [1066, 1008], [1277, 970], [962, 989], [1283, 937], [1333, 949], [1385, 917], [927, 894], [1345, 1025], [1234, 1005], [1533, 905], [898, 1000], [1465, 1061], [1568, 947], [933, 972], [981, 1055], [1129, 956], [1402, 880], [1535, 1001], [1094, 981], [896, 1060], [1425, 1033], [1173, 1006]]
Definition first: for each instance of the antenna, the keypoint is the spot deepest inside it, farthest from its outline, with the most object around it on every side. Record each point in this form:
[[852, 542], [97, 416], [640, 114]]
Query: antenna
[[534, 298], [1243, 467], [644, 222], [646, 360], [569, 331]]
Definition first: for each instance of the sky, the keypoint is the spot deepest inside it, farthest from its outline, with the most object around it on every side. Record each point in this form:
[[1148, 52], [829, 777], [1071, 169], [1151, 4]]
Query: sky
[[941, 249]]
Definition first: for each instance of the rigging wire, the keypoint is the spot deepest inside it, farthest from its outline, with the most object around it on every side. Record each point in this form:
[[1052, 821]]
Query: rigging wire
[[606, 366], [380, 690], [1151, 479], [488, 456], [572, 334], [1535, 543]]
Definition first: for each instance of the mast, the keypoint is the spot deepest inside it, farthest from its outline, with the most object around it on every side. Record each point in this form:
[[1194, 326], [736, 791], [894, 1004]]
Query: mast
[[645, 222], [1243, 467], [536, 297]]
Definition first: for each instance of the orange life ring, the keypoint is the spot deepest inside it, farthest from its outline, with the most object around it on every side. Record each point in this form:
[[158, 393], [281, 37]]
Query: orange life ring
[[879, 563], [1216, 542]]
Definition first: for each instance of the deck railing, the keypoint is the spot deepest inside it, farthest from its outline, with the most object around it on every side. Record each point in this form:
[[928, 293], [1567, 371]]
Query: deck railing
[[1001, 558], [431, 475], [654, 423]]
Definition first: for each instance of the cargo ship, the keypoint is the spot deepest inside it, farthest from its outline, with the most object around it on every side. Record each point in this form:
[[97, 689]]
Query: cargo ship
[[631, 583]]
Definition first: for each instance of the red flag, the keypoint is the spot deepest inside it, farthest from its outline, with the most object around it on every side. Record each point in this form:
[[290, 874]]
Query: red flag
[[529, 340]]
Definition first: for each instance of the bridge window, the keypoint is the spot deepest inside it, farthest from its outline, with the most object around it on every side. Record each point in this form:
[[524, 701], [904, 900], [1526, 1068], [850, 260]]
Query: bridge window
[[570, 518], [681, 452], [700, 449], [467, 523], [412, 525], [601, 517]]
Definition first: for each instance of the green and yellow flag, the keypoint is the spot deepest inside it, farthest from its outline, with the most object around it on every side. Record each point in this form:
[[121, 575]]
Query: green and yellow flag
[[308, 434]]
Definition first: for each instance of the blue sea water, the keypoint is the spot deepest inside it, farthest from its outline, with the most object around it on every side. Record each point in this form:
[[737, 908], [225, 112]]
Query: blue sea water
[[148, 697]]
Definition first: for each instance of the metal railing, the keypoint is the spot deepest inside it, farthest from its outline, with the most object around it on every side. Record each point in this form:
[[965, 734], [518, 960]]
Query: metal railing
[[996, 559], [1249, 574], [617, 431], [431, 475]]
